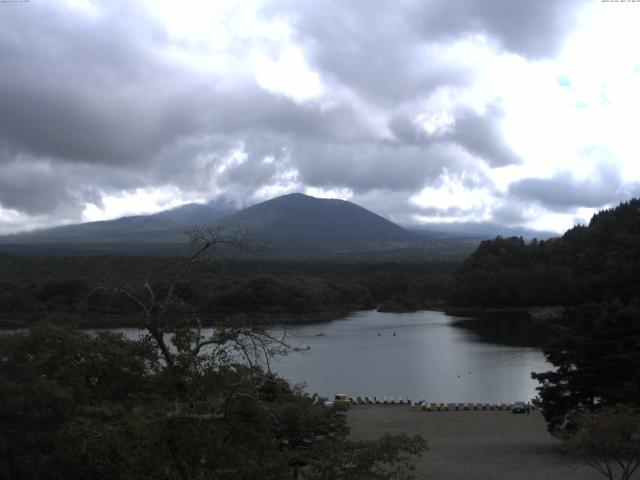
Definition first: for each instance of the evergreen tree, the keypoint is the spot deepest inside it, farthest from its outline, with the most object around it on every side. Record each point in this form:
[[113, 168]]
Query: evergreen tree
[[597, 360]]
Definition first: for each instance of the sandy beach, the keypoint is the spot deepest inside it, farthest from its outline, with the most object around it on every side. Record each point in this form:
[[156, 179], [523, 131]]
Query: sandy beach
[[474, 445]]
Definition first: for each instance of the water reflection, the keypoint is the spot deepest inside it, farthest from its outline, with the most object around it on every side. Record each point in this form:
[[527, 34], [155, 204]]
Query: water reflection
[[428, 358], [512, 330]]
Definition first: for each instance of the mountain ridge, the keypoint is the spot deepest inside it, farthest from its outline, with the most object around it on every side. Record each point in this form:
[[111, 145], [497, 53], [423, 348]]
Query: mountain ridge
[[296, 218], [167, 226], [293, 225]]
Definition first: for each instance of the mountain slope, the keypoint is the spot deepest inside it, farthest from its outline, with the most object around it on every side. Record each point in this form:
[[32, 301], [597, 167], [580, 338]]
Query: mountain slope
[[298, 218], [164, 227], [294, 225]]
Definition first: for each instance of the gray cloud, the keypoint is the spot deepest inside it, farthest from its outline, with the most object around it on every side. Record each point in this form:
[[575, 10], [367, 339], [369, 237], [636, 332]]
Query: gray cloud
[[453, 211], [82, 89], [532, 29], [370, 47], [93, 105], [481, 136], [44, 188], [389, 50], [478, 134], [509, 213], [374, 166], [564, 192]]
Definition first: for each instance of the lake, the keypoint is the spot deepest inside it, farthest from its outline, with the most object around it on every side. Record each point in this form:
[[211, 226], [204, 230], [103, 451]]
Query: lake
[[429, 358]]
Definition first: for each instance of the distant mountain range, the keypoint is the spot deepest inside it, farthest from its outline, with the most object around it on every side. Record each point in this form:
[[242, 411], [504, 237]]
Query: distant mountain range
[[483, 230], [294, 218], [164, 227], [294, 224]]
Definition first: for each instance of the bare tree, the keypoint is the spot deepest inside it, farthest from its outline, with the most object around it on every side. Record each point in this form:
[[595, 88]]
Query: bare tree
[[609, 441], [173, 326]]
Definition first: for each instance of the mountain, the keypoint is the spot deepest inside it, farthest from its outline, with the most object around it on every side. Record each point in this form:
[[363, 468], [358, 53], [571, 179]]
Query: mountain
[[164, 227], [290, 219], [479, 230], [302, 219]]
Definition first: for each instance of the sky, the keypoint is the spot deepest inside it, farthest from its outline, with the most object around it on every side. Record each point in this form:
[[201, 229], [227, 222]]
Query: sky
[[513, 113]]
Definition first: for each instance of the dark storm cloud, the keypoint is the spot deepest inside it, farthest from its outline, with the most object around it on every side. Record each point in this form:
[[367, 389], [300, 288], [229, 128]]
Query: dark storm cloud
[[564, 192], [42, 188], [38, 186], [87, 89]]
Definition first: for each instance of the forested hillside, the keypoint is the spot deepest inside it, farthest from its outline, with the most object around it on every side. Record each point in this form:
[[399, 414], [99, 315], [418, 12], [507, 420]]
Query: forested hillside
[[588, 263]]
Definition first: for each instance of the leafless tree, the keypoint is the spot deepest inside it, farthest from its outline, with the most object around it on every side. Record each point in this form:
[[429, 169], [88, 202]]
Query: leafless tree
[[609, 441], [173, 326]]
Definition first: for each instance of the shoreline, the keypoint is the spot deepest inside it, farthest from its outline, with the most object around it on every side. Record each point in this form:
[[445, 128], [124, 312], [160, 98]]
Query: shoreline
[[131, 320], [540, 315]]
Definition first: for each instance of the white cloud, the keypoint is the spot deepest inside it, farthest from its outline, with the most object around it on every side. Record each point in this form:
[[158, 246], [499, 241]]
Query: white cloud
[[136, 202], [339, 193], [472, 204], [287, 74]]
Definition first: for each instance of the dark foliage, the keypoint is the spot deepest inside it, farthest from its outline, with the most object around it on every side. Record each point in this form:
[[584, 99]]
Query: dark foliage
[[78, 406], [597, 360], [593, 263], [175, 404], [33, 288]]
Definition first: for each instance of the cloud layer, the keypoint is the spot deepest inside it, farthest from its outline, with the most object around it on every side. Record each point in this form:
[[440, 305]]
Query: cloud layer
[[407, 107]]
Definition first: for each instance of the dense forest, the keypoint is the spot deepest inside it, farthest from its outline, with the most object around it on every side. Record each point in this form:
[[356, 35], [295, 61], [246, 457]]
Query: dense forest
[[597, 262], [36, 287]]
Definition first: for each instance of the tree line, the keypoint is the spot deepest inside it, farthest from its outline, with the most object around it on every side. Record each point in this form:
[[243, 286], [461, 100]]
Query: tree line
[[597, 262], [32, 287]]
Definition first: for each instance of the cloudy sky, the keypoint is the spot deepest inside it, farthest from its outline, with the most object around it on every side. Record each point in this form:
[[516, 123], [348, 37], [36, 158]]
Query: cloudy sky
[[519, 113]]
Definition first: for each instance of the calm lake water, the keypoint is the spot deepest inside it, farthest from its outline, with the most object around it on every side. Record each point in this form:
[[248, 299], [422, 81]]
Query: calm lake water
[[429, 358]]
